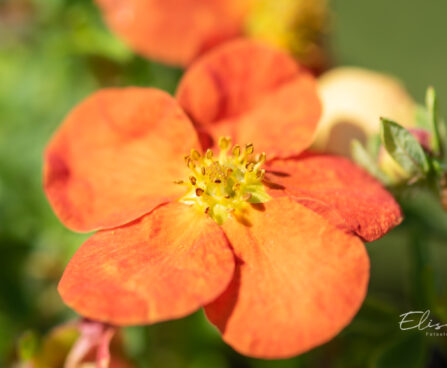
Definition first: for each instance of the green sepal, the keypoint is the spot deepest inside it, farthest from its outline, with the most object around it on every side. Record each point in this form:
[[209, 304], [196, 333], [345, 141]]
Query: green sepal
[[373, 145], [432, 112], [404, 148]]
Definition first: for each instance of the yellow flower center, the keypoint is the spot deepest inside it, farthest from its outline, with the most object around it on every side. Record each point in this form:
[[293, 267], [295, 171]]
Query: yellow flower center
[[296, 26], [225, 185]]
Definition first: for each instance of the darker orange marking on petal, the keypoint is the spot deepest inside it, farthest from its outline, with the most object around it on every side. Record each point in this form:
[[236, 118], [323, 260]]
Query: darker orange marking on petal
[[340, 191], [116, 156], [299, 281], [174, 31], [165, 265], [253, 93]]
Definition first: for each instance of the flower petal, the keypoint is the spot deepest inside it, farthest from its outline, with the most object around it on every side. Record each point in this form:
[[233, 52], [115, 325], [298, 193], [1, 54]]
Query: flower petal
[[174, 31], [163, 266], [253, 93], [338, 190], [298, 282], [116, 156]]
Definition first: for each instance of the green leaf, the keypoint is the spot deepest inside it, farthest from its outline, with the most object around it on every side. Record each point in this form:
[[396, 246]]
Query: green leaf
[[365, 160], [404, 148]]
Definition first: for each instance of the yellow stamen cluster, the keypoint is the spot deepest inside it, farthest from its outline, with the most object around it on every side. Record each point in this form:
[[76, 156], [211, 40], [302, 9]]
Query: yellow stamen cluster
[[225, 185]]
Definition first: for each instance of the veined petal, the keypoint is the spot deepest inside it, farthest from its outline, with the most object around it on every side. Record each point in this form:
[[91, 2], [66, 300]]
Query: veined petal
[[163, 266], [174, 31], [253, 93], [116, 156], [337, 189], [299, 280]]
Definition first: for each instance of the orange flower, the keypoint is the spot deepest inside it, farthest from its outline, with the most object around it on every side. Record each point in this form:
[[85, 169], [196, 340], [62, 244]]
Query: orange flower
[[284, 271], [174, 31], [178, 31]]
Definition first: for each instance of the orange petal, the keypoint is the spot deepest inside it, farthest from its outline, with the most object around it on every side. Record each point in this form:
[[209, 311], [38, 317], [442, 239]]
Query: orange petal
[[174, 31], [116, 156], [255, 94], [298, 282], [163, 266], [338, 190]]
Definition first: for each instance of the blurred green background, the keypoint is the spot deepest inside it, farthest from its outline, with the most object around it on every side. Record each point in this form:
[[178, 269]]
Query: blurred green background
[[55, 52]]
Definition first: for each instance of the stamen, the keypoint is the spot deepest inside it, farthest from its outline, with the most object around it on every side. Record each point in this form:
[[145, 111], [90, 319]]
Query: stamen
[[260, 158], [260, 174], [225, 185], [195, 155], [224, 143], [249, 149], [236, 150], [190, 163]]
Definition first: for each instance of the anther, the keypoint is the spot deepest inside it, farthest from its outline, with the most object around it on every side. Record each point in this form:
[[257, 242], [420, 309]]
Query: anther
[[199, 192], [224, 142], [207, 210], [195, 154], [209, 154], [203, 171], [191, 164], [193, 180], [249, 149], [236, 150], [218, 181], [260, 158], [250, 166], [179, 182]]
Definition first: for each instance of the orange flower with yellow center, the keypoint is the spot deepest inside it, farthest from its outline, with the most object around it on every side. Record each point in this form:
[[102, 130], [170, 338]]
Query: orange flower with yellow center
[[178, 31], [268, 243]]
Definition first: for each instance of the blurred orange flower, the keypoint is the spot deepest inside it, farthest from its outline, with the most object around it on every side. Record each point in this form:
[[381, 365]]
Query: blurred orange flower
[[283, 273], [178, 31]]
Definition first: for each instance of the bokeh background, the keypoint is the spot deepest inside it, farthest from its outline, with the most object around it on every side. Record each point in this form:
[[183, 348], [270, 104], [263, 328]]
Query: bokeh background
[[53, 53]]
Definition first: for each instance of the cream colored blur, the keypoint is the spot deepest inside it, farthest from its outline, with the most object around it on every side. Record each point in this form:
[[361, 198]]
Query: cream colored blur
[[353, 100]]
